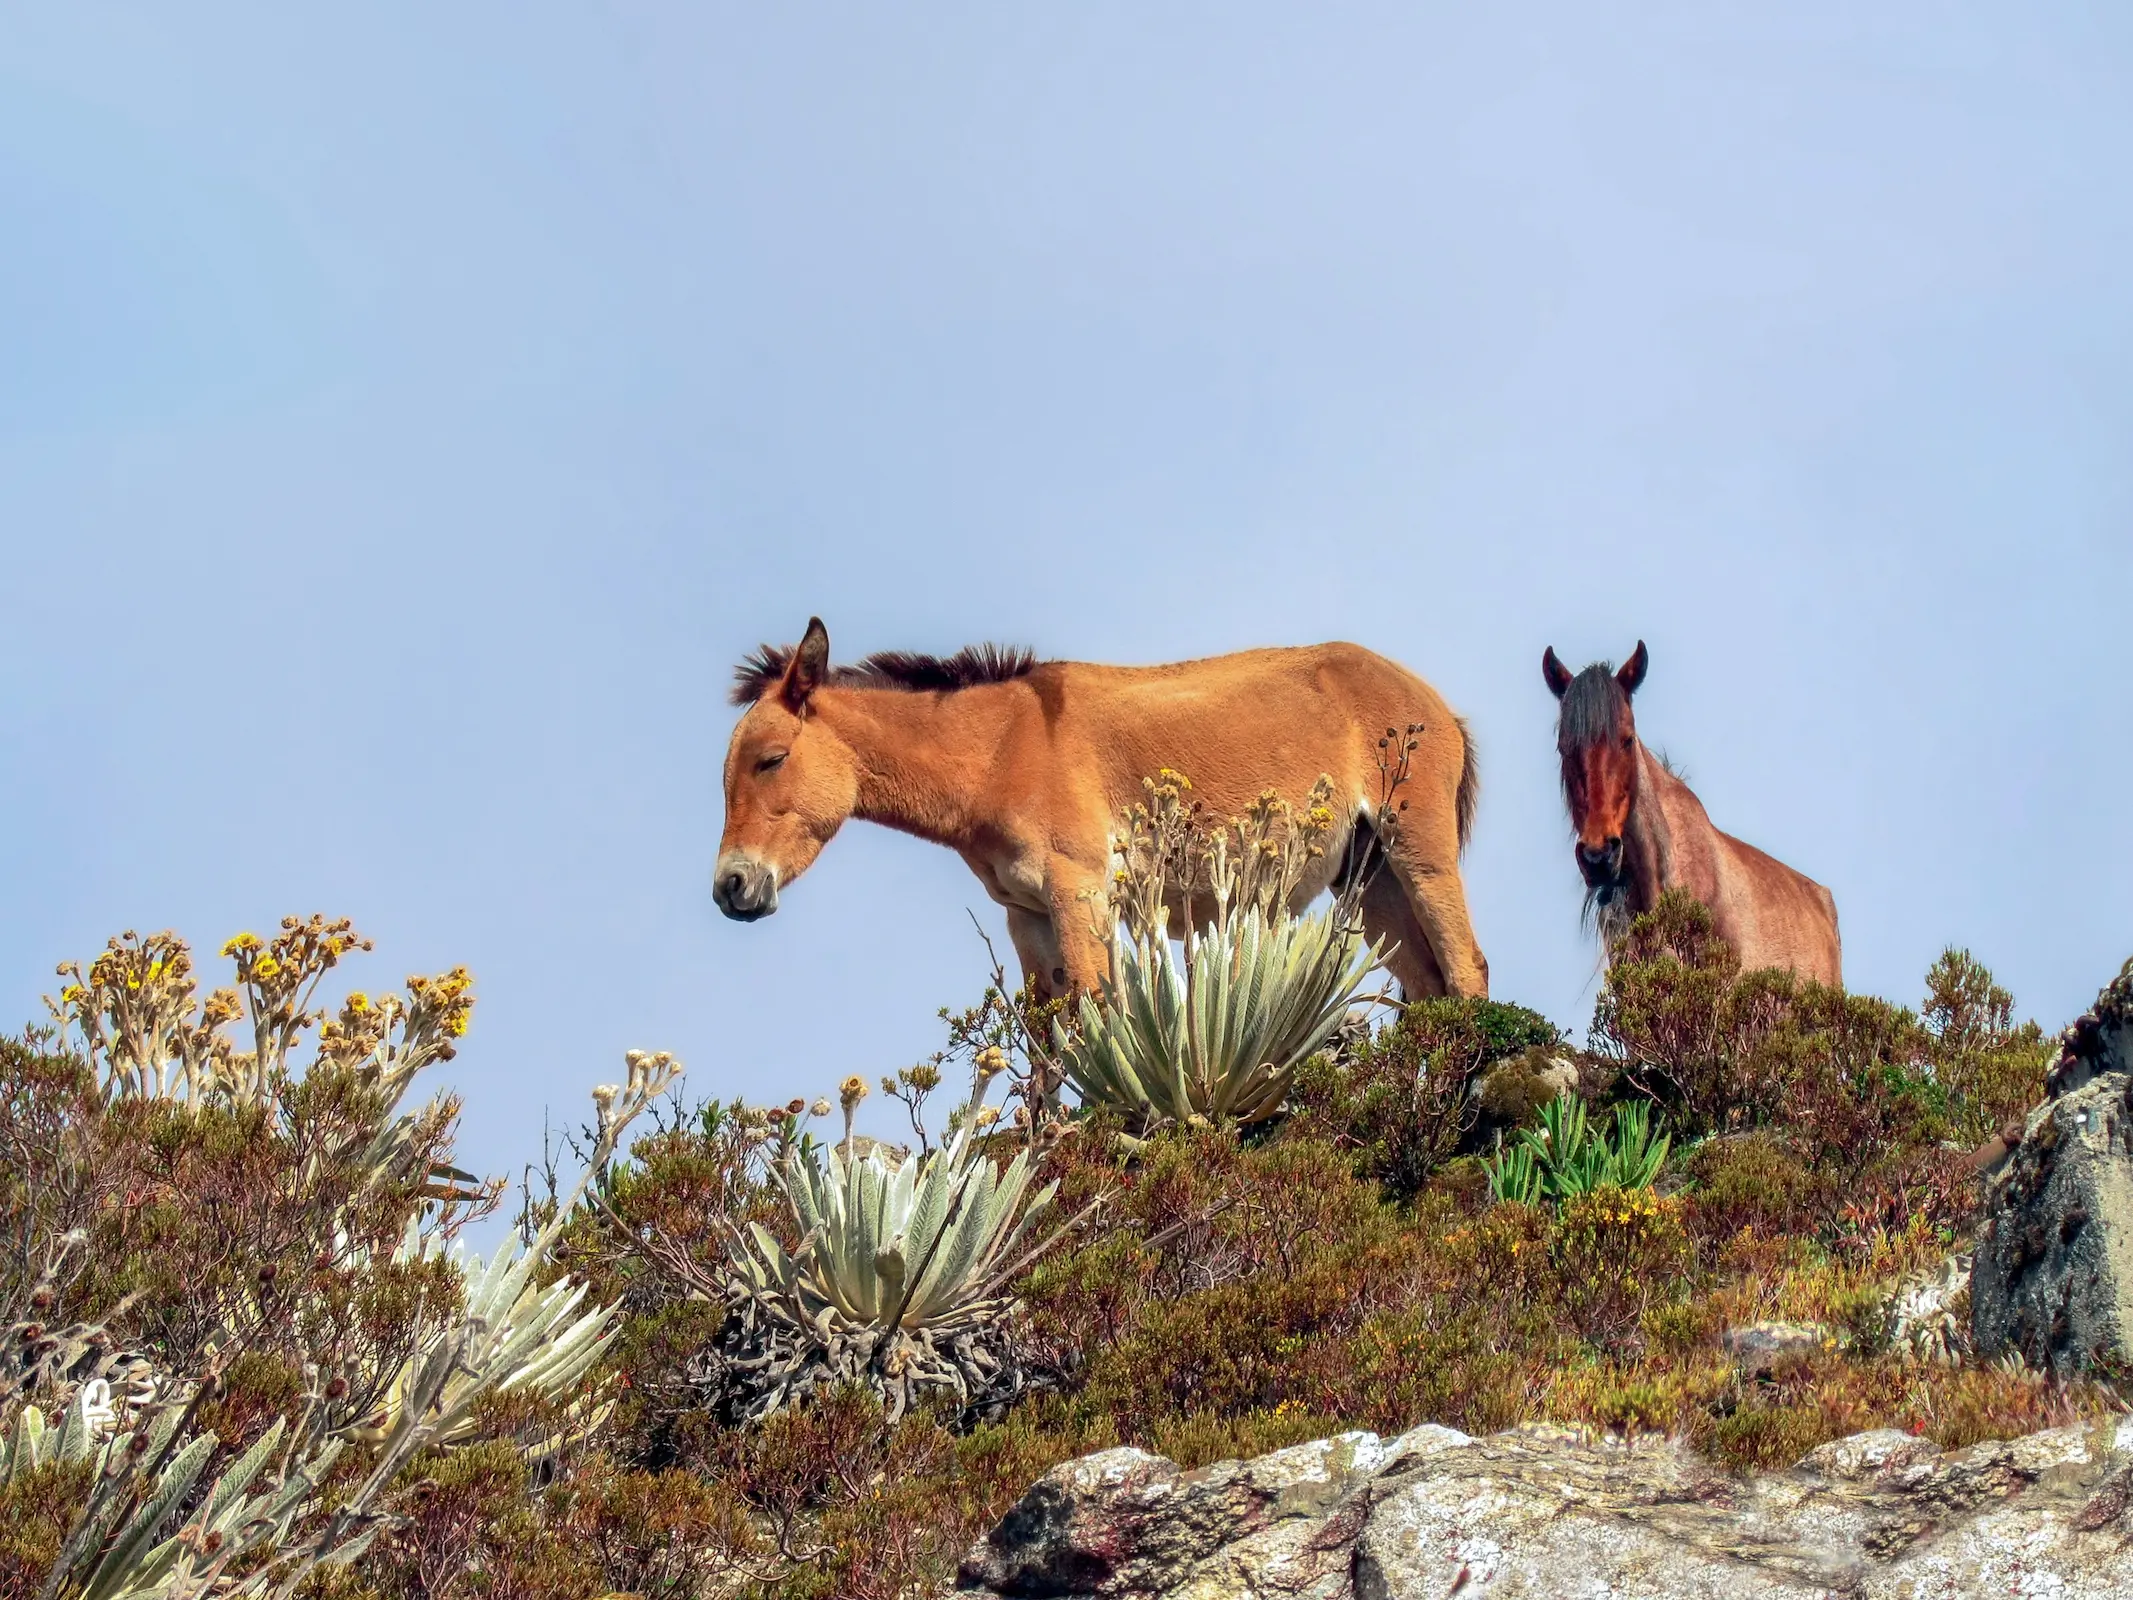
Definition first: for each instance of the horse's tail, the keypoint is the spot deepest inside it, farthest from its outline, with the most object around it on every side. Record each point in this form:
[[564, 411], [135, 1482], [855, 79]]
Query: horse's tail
[[1469, 782]]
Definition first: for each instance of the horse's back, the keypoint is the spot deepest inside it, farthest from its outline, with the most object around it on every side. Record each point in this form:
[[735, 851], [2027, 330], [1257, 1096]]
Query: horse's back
[[1295, 696], [1237, 724], [1791, 919], [1338, 669]]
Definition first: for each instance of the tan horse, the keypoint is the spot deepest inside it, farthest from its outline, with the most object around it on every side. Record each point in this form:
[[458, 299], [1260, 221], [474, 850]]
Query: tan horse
[[1023, 767], [1641, 831]]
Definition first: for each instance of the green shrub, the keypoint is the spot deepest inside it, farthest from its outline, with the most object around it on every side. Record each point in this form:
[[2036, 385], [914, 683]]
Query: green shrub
[[1990, 1069], [1875, 1104], [1621, 1252], [1402, 1102], [250, 1302], [1754, 1182]]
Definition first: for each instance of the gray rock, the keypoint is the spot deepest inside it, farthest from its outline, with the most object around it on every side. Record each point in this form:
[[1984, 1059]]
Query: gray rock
[[1126, 1522], [2098, 1041], [2052, 1278], [1542, 1512], [1509, 1091]]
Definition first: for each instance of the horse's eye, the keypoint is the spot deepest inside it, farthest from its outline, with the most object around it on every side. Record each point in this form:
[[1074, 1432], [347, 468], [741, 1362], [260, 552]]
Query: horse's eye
[[772, 763], [1629, 741]]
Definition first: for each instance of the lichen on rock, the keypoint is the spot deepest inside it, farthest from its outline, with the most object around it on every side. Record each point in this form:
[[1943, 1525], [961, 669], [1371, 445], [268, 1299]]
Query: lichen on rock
[[1542, 1511], [2053, 1276]]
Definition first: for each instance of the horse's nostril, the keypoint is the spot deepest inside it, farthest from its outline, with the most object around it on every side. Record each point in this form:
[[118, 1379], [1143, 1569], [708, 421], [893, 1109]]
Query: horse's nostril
[[745, 893]]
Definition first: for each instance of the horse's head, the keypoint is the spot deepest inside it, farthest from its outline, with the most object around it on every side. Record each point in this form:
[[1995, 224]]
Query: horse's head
[[1596, 736], [790, 782]]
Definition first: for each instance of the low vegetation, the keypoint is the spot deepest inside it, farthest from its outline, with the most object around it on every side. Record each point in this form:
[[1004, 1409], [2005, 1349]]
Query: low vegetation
[[755, 1355], [1212, 1036], [1565, 1157]]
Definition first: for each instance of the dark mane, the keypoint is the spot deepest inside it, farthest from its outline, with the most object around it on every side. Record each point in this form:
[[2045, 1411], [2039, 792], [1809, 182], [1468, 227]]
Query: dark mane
[[1590, 707], [890, 669]]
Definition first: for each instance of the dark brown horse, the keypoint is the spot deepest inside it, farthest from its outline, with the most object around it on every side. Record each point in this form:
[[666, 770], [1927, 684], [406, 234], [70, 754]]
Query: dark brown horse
[[1641, 831]]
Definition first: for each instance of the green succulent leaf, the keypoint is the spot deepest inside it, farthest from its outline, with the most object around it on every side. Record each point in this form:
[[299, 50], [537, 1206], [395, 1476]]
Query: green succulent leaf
[[1564, 1157], [926, 1235], [1215, 1037]]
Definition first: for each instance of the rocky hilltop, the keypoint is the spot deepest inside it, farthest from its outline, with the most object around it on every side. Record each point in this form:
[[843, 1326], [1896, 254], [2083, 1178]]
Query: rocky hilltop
[[1545, 1511], [1541, 1512]]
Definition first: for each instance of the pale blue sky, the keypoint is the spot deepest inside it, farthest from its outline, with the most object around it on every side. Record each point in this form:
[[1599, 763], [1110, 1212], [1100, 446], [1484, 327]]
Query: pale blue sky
[[407, 417]]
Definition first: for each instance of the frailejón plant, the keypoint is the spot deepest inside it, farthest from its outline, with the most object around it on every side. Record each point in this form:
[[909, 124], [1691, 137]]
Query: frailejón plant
[[1213, 1037], [898, 1273]]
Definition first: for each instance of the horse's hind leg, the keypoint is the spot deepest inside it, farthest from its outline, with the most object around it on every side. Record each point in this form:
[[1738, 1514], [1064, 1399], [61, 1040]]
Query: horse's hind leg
[[1427, 868], [1388, 919]]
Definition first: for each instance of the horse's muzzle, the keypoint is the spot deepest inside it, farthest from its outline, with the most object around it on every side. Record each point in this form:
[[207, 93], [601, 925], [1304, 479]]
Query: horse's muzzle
[[1601, 864], [745, 889]]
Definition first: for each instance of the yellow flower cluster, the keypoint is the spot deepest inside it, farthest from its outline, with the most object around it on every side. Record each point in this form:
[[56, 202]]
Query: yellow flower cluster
[[138, 1023], [445, 1002], [1638, 1205], [1170, 853], [135, 964], [133, 1012]]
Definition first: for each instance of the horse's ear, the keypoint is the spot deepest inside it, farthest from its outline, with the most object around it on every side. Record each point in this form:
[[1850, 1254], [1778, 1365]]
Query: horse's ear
[[1632, 673], [1555, 672], [809, 666]]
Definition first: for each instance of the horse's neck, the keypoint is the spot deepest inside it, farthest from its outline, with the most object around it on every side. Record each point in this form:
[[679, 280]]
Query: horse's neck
[[921, 757], [1666, 844]]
